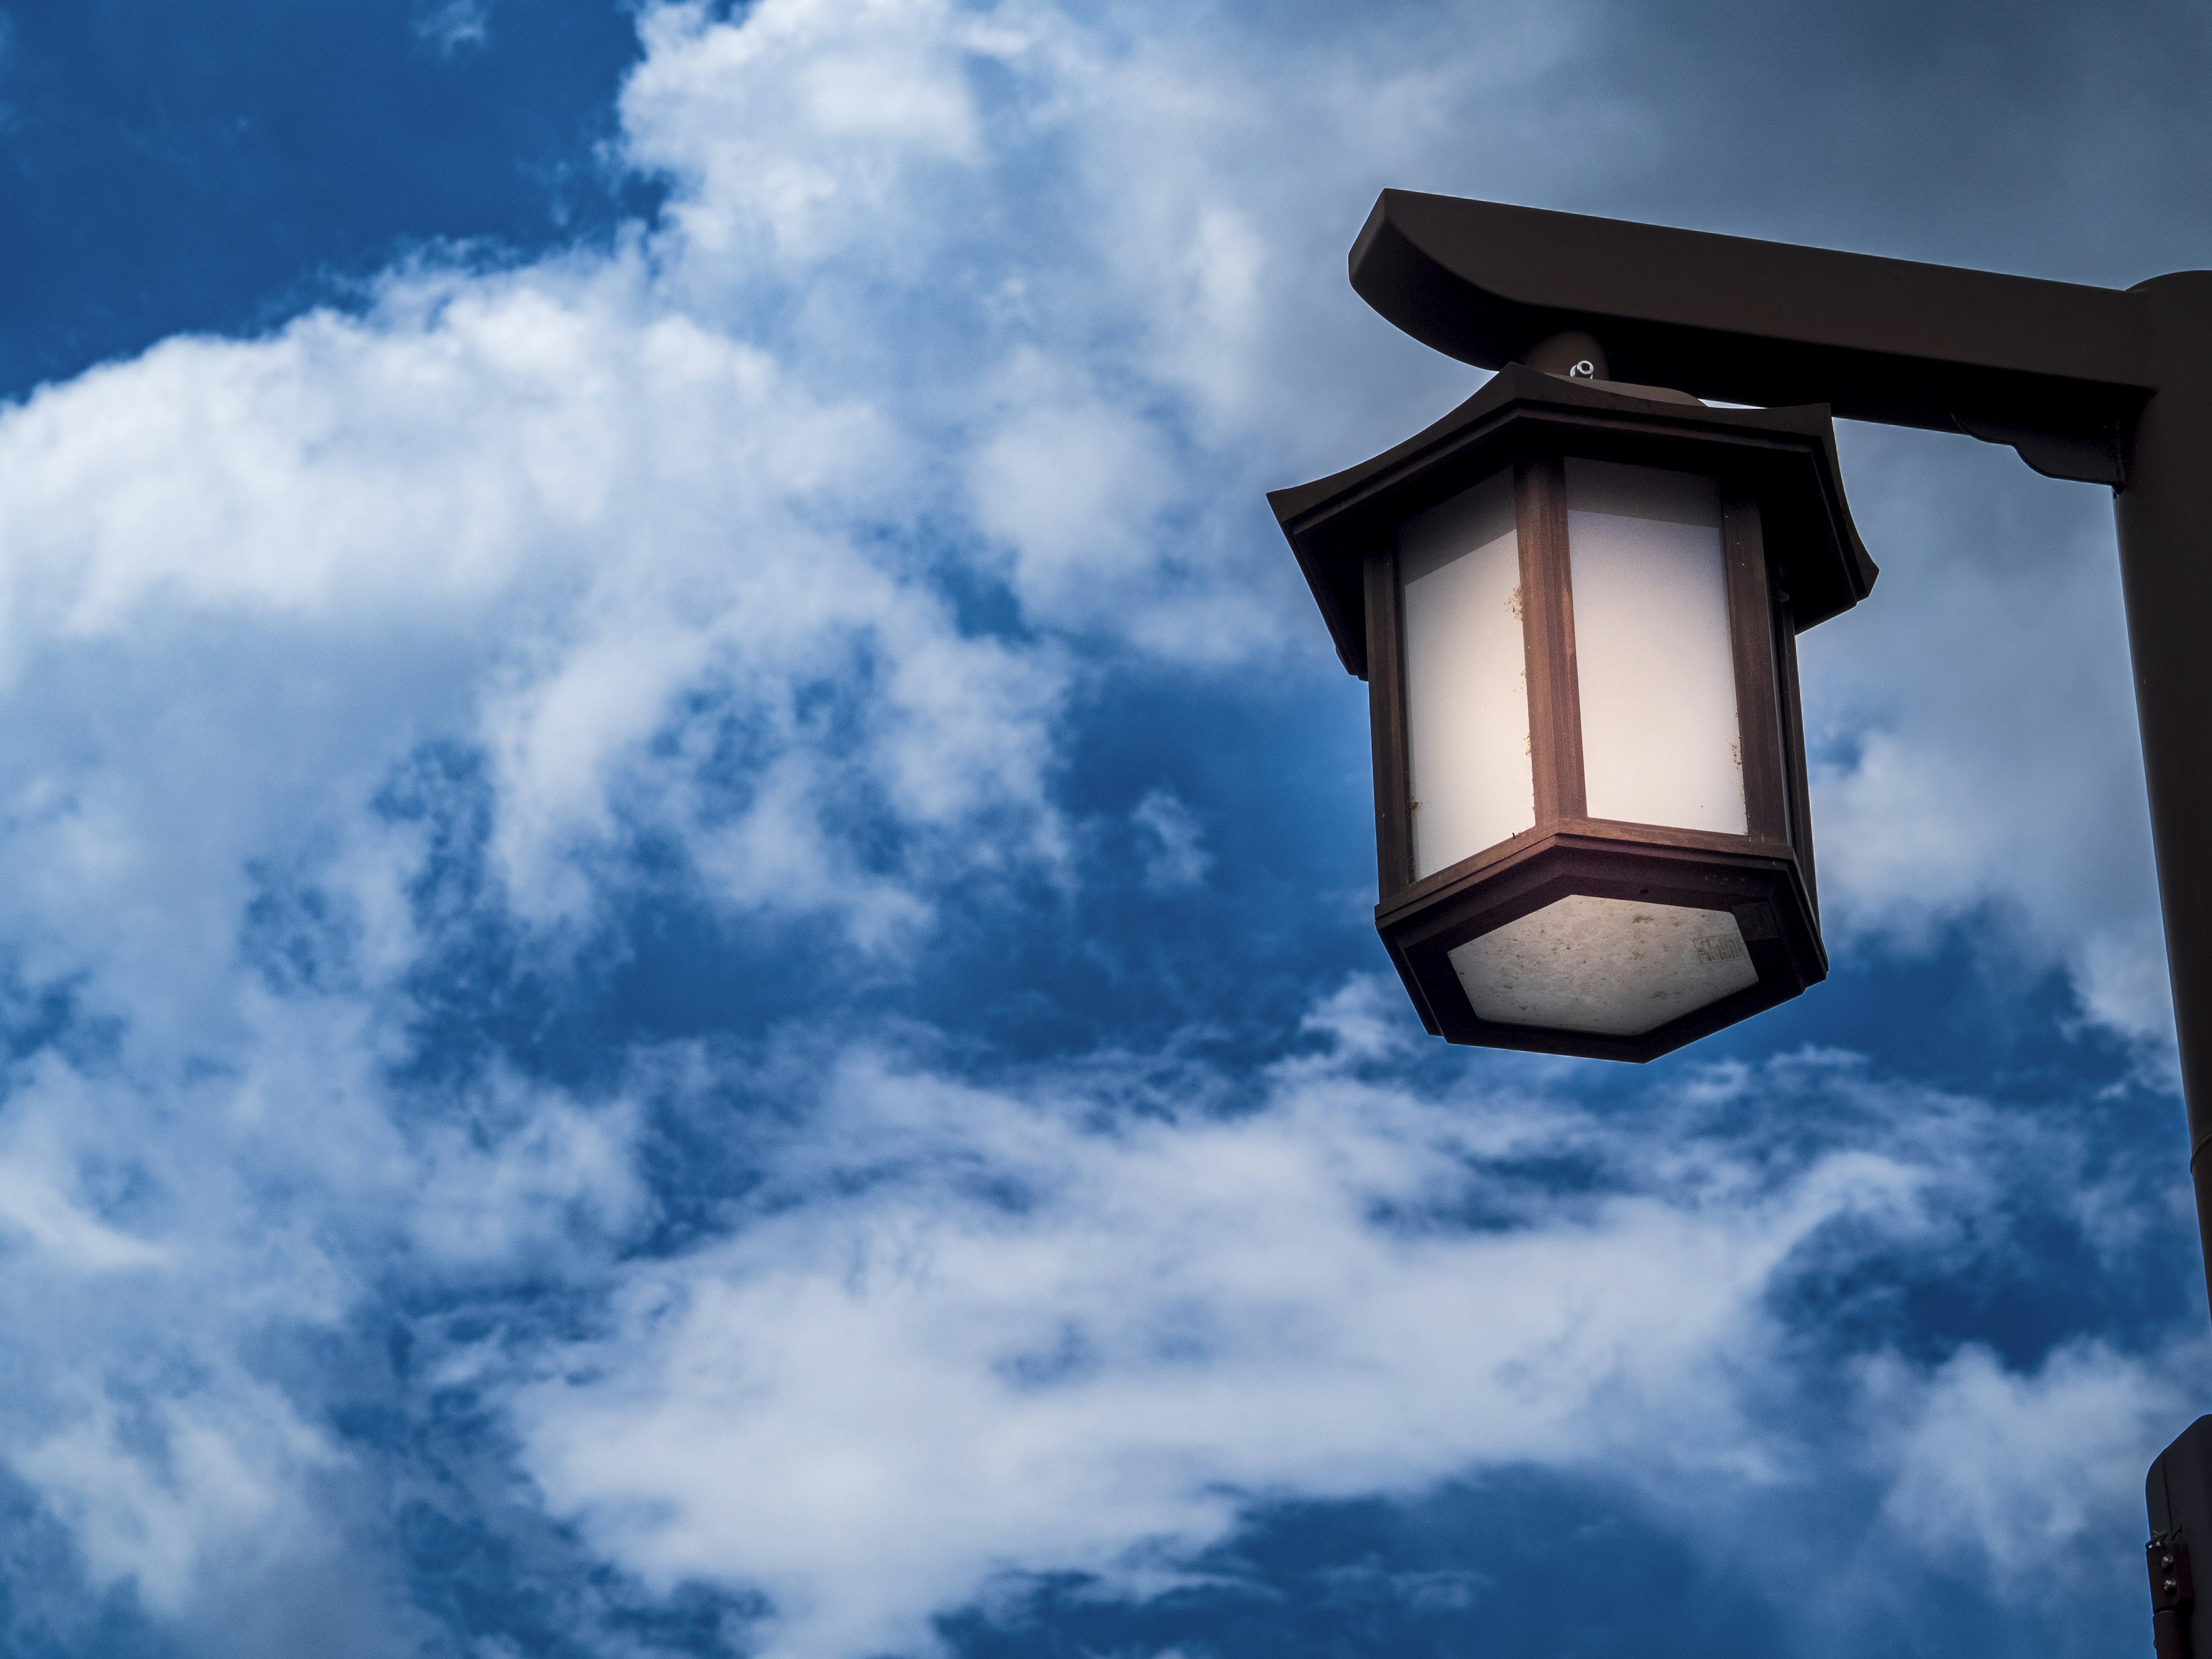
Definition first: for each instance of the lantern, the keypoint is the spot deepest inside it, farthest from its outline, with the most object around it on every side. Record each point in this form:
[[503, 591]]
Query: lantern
[[1576, 606]]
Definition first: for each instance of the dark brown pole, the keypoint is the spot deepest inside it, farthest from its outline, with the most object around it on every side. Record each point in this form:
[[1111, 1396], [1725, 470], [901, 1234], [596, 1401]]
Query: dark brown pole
[[2165, 516], [2164, 510]]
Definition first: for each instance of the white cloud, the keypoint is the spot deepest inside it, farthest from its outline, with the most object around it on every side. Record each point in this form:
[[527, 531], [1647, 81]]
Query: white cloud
[[798, 134], [1173, 841], [1991, 772], [967, 1333], [2019, 1468], [449, 26], [223, 1475], [602, 541]]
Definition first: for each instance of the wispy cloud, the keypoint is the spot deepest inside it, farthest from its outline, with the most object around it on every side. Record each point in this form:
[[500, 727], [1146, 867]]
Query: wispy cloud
[[964, 1332], [447, 27]]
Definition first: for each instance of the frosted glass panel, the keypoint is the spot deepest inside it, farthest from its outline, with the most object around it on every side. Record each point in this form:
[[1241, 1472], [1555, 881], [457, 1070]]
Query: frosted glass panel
[[1652, 656], [1467, 676], [1610, 967]]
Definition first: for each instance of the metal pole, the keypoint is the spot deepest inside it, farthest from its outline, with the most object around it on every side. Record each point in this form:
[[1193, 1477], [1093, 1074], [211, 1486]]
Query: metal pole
[[2164, 511]]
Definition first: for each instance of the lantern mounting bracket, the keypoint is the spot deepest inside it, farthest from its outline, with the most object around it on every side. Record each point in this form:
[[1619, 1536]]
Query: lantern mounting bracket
[[2058, 370]]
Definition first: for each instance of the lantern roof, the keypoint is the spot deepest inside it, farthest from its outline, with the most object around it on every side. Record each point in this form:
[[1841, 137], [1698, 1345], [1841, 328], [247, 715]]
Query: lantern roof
[[1785, 456]]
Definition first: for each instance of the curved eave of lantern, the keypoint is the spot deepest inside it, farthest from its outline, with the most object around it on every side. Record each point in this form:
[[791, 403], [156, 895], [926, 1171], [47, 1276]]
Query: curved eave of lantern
[[1786, 456]]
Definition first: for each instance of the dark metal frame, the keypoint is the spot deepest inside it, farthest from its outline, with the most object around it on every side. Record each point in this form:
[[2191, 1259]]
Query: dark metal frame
[[1774, 466]]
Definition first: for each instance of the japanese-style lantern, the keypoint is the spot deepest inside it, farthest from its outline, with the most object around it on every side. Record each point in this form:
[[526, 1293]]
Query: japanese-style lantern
[[1576, 604]]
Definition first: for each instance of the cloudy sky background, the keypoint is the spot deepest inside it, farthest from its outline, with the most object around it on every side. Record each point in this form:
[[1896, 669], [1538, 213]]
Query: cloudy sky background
[[687, 964]]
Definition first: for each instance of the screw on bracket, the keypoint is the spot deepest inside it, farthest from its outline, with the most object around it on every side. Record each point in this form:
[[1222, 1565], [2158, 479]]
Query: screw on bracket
[[2172, 1593]]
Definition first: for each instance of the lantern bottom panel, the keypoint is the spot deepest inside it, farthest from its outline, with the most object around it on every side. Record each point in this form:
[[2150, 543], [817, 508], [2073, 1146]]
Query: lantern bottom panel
[[1614, 967], [1604, 940]]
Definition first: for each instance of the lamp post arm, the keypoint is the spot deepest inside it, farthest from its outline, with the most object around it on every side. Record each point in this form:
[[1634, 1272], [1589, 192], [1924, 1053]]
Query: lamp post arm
[[2057, 369]]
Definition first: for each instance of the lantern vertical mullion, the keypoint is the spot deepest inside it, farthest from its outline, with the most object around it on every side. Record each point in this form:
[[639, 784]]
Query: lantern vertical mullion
[[1757, 684], [1386, 704], [1555, 728], [1798, 793]]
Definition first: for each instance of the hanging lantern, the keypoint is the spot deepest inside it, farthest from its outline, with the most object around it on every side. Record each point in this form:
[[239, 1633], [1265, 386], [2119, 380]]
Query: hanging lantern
[[1576, 604]]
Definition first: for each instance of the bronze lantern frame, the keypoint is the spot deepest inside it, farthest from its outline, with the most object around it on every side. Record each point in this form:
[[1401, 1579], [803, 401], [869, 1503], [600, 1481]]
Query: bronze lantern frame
[[1792, 558]]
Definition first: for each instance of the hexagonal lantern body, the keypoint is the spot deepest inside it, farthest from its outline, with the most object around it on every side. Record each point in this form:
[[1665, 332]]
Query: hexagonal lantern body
[[1576, 606]]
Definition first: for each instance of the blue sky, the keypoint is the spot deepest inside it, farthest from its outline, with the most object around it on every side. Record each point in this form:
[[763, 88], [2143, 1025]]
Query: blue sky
[[687, 967]]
